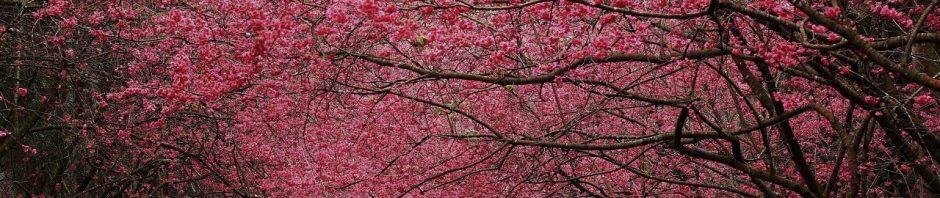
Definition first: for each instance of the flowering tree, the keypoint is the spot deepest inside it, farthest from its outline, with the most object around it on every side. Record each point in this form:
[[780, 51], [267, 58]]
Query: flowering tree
[[471, 98]]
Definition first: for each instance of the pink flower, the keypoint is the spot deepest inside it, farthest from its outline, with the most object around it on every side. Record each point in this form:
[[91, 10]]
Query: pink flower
[[905, 168], [831, 12], [833, 37], [96, 17], [101, 35], [3, 134], [391, 9], [620, 3], [57, 39], [70, 53], [845, 70], [69, 23], [323, 30], [22, 92], [545, 16], [908, 23], [871, 100], [608, 18], [426, 10], [369, 9], [818, 28], [27, 149], [337, 16], [485, 42], [922, 100]]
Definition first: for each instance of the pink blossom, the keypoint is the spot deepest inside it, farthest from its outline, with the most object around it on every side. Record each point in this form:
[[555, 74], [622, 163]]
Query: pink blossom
[[832, 12], [28, 149], [426, 10], [21, 91], [101, 35], [57, 39], [872, 100], [923, 100], [96, 18], [845, 70], [69, 23], [833, 37], [620, 3], [608, 18], [324, 30]]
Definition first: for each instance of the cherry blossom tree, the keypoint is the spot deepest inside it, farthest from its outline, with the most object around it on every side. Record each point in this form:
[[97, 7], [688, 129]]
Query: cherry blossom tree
[[457, 98]]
